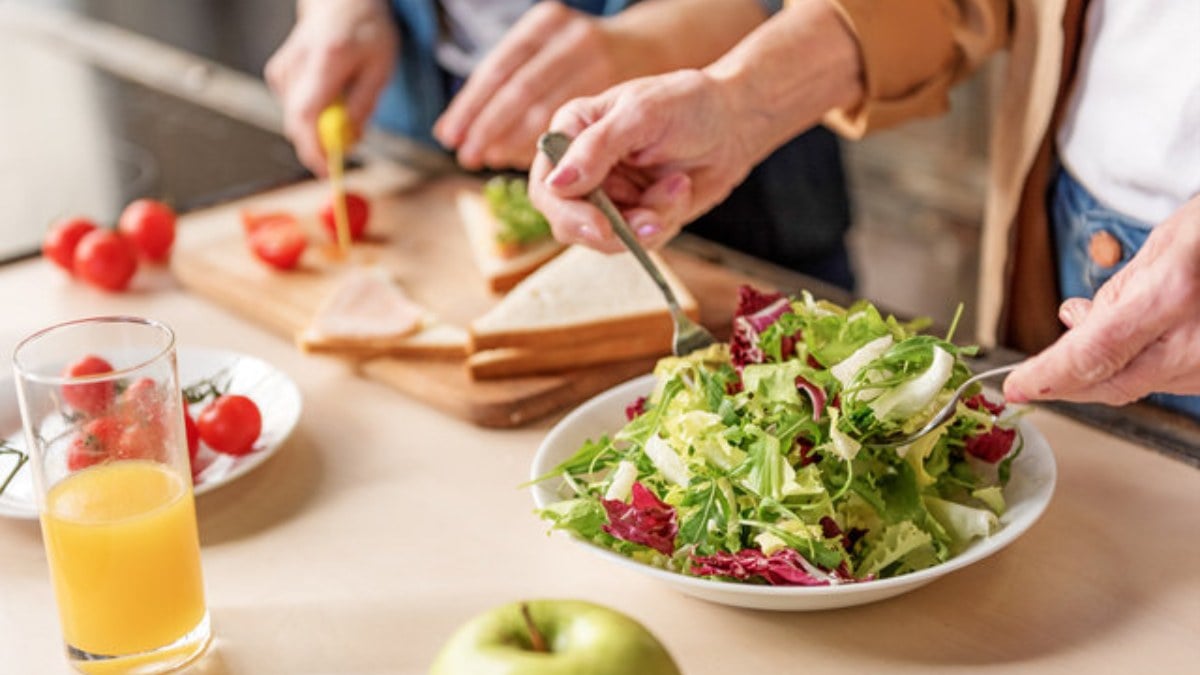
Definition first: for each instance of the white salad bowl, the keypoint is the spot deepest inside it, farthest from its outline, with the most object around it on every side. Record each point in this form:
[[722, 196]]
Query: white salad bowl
[[1027, 495]]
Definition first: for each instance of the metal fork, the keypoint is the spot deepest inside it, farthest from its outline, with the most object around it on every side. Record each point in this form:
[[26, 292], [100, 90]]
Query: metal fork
[[947, 410], [689, 335]]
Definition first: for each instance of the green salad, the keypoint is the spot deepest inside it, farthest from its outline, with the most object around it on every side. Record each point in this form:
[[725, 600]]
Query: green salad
[[758, 461], [520, 222]]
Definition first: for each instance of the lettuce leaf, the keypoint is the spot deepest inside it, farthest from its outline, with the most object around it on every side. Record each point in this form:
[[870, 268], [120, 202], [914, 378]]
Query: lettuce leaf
[[897, 542]]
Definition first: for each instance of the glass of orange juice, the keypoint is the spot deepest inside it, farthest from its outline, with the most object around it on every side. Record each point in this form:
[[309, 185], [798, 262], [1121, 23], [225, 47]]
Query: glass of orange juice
[[103, 416]]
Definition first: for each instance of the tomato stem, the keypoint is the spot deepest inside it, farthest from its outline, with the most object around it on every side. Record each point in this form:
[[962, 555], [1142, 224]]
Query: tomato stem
[[6, 449], [211, 387]]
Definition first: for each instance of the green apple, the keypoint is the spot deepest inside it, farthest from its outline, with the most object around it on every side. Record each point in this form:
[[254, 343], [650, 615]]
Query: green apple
[[553, 637]]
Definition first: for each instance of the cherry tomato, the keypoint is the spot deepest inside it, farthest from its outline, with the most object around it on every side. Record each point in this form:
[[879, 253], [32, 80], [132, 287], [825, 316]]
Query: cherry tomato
[[280, 245], [105, 259], [150, 226], [95, 443], [230, 424], [252, 222], [62, 239], [94, 397], [139, 441], [193, 437], [358, 210], [141, 402]]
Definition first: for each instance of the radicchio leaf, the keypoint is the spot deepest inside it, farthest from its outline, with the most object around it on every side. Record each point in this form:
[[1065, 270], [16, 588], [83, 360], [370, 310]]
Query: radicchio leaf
[[807, 456], [831, 530], [784, 567], [751, 300], [992, 446], [743, 345], [755, 312], [647, 520], [980, 402], [636, 408], [815, 394]]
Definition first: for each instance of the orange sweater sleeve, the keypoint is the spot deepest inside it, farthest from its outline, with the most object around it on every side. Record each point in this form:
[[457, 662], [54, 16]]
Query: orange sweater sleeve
[[913, 52]]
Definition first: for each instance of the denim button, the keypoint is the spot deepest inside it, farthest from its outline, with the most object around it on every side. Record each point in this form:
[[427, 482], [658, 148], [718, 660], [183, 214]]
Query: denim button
[[1104, 249]]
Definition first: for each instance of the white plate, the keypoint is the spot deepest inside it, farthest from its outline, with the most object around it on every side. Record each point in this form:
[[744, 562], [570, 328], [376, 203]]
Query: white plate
[[1027, 493], [276, 394]]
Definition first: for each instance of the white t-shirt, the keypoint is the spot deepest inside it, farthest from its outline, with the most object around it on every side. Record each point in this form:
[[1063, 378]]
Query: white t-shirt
[[1131, 134], [470, 28]]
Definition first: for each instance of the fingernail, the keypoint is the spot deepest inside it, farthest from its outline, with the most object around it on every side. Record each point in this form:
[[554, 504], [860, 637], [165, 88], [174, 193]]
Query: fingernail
[[648, 230], [588, 232], [1015, 395], [562, 176], [469, 152]]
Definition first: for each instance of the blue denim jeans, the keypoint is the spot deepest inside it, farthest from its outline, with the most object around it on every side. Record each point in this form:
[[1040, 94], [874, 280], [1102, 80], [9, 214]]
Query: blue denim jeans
[[1077, 216]]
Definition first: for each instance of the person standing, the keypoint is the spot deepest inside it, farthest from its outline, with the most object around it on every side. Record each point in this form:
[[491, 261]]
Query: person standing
[[482, 77], [1073, 89]]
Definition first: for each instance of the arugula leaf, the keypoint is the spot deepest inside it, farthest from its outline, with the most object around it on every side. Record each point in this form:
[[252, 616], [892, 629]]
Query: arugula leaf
[[704, 500], [584, 461]]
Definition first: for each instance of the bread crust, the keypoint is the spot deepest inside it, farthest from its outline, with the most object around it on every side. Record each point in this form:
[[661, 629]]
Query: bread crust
[[501, 272], [518, 361]]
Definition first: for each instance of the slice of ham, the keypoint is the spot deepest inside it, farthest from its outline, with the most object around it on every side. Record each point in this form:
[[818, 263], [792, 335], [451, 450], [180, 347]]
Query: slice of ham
[[366, 305]]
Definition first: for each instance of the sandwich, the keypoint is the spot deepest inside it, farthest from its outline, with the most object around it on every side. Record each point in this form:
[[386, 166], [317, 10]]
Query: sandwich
[[368, 315], [582, 308], [509, 239]]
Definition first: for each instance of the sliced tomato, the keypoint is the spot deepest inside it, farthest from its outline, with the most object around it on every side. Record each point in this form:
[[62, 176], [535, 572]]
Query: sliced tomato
[[358, 211], [252, 221], [279, 245], [63, 238]]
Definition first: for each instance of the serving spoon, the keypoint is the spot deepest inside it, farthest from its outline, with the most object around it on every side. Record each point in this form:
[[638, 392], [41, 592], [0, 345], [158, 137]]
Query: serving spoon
[[688, 335]]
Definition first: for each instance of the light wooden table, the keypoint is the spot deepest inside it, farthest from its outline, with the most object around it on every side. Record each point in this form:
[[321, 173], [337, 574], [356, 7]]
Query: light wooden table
[[381, 526]]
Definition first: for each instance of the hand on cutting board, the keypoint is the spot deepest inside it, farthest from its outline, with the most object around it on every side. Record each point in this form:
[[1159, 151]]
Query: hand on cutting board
[[1141, 333], [337, 48]]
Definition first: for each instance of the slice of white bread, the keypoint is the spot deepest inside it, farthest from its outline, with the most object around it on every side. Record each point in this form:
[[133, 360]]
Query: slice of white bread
[[367, 315], [501, 271], [502, 362], [583, 305]]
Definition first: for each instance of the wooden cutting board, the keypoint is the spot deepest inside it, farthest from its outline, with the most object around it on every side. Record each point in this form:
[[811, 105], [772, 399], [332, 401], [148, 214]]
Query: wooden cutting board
[[415, 233]]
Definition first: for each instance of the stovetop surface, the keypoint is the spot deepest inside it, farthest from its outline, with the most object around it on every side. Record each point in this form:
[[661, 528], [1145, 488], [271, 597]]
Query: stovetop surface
[[78, 139]]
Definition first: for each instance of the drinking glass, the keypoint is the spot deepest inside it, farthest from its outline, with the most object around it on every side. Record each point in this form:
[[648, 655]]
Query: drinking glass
[[103, 416]]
